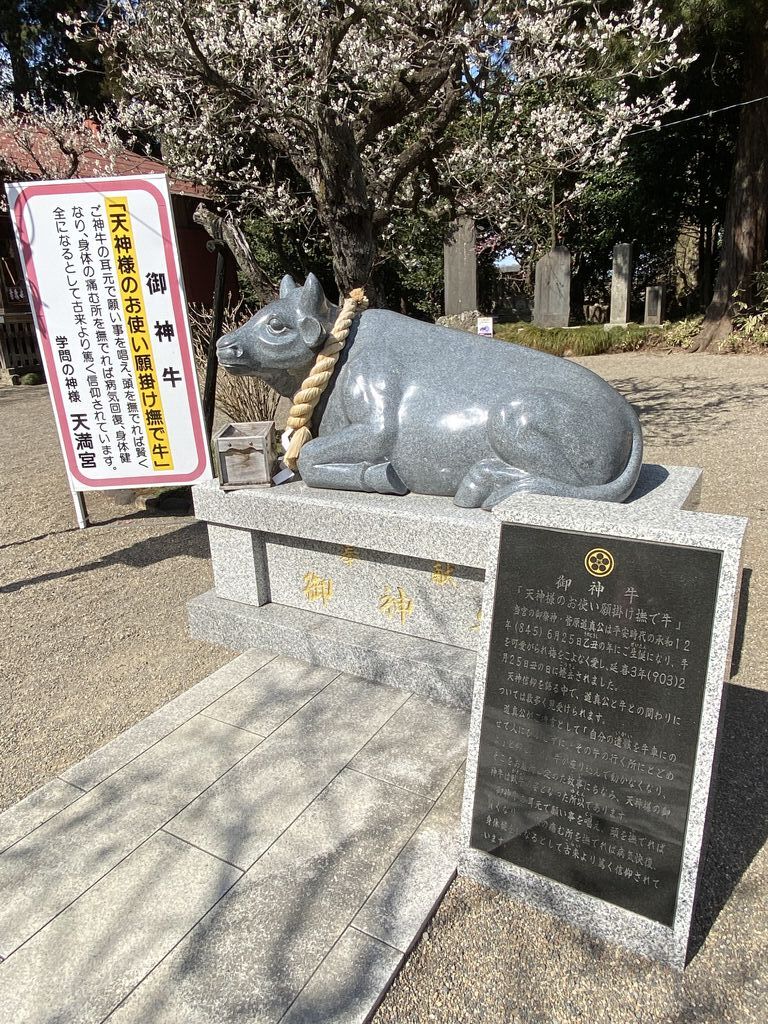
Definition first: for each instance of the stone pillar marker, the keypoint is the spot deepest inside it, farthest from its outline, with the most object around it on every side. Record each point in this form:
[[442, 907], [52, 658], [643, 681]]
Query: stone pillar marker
[[655, 301], [552, 290], [460, 269], [621, 283]]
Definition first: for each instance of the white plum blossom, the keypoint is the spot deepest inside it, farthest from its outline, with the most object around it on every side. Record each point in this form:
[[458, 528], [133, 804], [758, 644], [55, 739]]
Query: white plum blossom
[[344, 113], [45, 140]]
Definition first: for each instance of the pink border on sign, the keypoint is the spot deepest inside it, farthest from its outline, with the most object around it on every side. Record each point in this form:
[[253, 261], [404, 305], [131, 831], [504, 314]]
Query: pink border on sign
[[114, 185]]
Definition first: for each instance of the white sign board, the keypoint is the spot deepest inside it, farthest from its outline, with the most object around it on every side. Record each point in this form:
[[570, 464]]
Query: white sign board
[[103, 274], [485, 326]]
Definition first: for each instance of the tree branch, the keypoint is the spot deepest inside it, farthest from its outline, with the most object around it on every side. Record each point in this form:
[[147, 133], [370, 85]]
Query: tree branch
[[420, 151], [333, 41], [213, 76], [216, 79], [407, 95], [224, 229]]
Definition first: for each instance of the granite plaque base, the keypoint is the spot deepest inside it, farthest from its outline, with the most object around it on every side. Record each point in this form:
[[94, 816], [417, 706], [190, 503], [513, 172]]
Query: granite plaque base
[[599, 688], [382, 586]]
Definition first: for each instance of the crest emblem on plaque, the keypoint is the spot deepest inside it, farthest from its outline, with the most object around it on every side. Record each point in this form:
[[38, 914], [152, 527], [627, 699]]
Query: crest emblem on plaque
[[599, 562]]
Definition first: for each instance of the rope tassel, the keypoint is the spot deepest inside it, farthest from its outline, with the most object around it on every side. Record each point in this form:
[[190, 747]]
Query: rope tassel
[[308, 395]]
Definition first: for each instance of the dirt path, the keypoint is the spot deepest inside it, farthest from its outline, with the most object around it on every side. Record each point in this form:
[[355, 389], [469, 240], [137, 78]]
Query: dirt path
[[93, 631]]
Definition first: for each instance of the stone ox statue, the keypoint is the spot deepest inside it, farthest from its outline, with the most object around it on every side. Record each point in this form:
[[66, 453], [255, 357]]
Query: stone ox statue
[[413, 406]]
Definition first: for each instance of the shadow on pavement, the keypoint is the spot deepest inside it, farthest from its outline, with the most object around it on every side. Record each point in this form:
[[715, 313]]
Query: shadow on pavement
[[668, 408], [190, 540]]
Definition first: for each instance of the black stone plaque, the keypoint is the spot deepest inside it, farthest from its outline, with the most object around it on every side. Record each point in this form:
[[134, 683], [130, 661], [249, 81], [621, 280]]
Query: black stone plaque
[[596, 669]]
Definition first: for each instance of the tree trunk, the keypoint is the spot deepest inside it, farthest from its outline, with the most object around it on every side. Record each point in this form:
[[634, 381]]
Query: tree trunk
[[705, 264], [343, 205], [744, 228], [11, 22], [225, 230], [350, 232]]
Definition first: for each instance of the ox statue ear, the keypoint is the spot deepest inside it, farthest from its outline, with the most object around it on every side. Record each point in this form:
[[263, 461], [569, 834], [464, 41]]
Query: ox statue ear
[[313, 299], [311, 331], [287, 285]]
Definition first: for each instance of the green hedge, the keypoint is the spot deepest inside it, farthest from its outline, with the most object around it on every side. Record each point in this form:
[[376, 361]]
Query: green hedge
[[590, 340]]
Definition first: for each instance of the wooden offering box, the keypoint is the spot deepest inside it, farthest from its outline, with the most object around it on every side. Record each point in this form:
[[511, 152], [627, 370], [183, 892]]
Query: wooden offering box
[[245, 453]]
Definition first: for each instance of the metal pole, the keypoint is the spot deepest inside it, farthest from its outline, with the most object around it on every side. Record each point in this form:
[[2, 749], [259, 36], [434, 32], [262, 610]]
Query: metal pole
[[81, 512], [212, 362]]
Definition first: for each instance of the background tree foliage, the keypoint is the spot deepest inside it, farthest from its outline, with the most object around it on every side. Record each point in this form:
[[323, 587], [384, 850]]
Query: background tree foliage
[[36, 53], [740, 26], [344, 138], [673, 183], [342, 118]]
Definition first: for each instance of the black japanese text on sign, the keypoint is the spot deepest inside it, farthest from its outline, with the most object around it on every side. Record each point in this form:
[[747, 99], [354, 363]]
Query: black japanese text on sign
[[596, 670], [139, 335]]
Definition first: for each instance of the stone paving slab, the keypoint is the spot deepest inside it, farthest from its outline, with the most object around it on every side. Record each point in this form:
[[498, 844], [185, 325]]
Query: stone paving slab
[[48, 869], [266, 699], [239, 817], [25, 816], [127, 901], [349, 982], [420, 748], [114, 755], [407, 896], [260, 945], [91, 956]]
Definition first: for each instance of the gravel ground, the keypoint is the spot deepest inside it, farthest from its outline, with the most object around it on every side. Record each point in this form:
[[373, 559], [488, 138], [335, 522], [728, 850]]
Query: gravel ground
[[94, 638], [93, 635], [488, 959]]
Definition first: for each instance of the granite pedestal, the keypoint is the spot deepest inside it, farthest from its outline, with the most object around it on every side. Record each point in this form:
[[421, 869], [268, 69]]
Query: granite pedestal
[[389, 588]]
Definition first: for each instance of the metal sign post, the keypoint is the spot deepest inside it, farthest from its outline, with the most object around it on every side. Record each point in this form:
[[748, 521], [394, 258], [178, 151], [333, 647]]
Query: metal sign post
[[212, 362]]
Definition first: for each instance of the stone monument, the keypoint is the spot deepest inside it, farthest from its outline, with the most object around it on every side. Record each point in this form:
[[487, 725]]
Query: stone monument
[[460, 269], [389, 585], [655, 300], [621, 283], [552, 289]]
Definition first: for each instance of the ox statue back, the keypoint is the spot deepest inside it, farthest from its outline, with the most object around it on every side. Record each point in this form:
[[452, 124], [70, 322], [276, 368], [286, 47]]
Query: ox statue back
[[417, 407]]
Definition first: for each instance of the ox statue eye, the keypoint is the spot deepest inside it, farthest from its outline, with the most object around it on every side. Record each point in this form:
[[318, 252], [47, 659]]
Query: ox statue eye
[[276, 326]]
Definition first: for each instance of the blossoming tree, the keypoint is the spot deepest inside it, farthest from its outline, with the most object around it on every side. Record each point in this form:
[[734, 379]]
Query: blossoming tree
[[343, 113], [54, 140]]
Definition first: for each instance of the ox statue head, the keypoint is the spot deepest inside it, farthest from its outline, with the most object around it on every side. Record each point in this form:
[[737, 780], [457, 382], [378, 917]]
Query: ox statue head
[[282, 339]]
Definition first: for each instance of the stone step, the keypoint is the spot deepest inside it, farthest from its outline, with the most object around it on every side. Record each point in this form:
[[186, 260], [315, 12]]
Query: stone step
[[433, 670]]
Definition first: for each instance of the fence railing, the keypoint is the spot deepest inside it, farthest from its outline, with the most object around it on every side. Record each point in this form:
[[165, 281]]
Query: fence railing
[[18, 346]]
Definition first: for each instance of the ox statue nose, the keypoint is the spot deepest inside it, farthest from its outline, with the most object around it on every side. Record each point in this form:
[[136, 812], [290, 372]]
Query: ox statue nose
[[228, 348]]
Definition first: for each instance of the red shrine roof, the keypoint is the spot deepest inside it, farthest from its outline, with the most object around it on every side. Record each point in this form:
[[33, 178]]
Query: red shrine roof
[[40, 156]]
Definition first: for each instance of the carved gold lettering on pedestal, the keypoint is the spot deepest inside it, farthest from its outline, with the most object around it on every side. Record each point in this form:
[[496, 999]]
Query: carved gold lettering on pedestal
[[442, 573], [349, 554], [391, 604], [317, 588]]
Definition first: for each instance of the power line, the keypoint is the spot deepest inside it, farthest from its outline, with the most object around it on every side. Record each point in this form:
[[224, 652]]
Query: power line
[[695, 117]]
